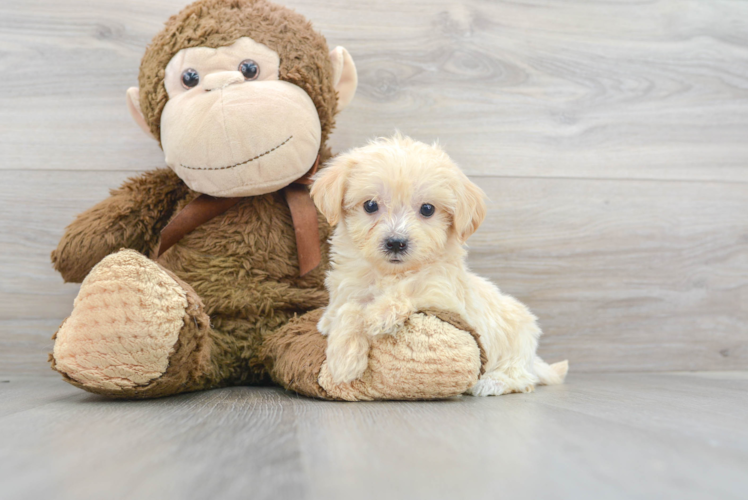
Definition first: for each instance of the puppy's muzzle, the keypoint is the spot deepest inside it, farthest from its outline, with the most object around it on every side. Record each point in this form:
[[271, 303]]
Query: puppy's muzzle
[[396, 246]]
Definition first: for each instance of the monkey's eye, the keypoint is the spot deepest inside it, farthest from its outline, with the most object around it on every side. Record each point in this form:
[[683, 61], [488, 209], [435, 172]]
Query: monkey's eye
[[190, 78], [370, 206], [249, 69], [427, 210]]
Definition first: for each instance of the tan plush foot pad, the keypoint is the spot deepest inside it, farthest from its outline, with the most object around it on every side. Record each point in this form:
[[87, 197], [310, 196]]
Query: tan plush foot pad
[[124, 325], [434, 356]]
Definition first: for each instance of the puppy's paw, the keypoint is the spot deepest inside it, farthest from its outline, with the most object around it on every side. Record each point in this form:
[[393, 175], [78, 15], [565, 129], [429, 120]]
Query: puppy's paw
[[487, 387], [497, 383], [344, 370], [519, 381], [324, 324], [347, 357], [384, 318]]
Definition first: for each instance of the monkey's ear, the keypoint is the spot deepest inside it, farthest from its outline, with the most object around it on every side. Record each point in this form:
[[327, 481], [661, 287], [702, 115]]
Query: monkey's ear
[[470, 210], [344, 76], [133, 104], [328, 189]]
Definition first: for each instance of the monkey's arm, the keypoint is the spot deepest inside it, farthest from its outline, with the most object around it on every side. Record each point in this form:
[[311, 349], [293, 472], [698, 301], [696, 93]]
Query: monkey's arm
[[132, 217]]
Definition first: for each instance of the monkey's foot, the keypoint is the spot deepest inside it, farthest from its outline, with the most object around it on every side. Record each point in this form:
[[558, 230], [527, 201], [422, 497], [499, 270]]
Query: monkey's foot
[[131, 323], [435, 355]]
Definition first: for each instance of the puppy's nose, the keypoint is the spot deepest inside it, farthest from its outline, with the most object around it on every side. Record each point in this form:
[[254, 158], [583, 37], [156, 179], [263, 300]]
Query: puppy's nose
[[396, 245]]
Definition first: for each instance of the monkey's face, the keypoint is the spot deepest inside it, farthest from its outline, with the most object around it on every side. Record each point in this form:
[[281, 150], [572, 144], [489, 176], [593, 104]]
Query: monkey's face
[[230, 126]]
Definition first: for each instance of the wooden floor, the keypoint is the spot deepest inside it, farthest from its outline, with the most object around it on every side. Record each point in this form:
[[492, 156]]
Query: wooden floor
[[601, 436], [612, 140]]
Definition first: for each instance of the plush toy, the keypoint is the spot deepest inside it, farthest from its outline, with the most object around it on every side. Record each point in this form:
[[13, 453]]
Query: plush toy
[[199, 276]]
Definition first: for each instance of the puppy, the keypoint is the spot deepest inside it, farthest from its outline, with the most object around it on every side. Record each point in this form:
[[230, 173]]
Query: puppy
[[404, 211]]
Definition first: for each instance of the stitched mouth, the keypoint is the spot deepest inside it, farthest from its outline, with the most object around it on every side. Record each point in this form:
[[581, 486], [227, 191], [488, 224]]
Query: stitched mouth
[[242, 163]]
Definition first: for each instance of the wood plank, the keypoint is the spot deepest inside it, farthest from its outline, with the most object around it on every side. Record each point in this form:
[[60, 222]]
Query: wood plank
[[37, 205], [83, 446], [616, 436], [624, 276], [522, 447], [20, 393], [651, 275], [655, 90], [701, 405], [25, 345]]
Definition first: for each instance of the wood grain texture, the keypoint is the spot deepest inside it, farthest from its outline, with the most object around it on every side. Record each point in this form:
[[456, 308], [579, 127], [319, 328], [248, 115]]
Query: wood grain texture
[[651, 89], [612, 436], [610, 136], [624, 275]]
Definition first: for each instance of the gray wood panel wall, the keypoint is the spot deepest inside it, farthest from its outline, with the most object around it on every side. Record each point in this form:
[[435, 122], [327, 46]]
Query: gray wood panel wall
[[611, 137]]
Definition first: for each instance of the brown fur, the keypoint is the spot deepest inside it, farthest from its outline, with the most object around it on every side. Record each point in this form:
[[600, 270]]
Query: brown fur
[[240, 269], [132, 217], [304, 59], [295, 354], [243, 264]]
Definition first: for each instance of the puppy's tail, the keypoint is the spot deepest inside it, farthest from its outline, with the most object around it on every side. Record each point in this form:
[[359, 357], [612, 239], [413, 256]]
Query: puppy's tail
[[551, 374]]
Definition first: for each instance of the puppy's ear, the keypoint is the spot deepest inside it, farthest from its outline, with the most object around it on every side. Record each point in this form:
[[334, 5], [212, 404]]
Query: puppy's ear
[[328, 189], [470, 210]]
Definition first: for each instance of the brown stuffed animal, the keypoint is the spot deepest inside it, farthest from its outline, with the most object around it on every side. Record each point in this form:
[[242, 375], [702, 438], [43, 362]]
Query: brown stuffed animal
[[193, 276]]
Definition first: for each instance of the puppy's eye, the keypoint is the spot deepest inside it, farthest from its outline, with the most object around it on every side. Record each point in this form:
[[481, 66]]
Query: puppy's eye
[[190, 78], [427, 210], [370, 206], [249, 69]]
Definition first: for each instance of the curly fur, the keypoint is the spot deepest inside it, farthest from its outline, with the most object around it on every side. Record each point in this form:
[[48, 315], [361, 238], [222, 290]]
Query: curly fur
[[374, 289], [242, 265]]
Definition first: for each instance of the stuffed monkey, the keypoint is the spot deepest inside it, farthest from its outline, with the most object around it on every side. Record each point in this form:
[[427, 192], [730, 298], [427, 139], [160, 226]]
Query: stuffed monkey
[[194, 276]]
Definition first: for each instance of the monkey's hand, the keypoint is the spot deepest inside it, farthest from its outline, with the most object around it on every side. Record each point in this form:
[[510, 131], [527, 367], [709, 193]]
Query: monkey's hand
[[132, 217]]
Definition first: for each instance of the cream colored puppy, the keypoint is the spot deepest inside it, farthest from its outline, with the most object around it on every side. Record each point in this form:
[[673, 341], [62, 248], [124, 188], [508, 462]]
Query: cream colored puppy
[[403, 211]]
